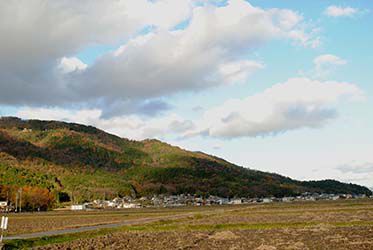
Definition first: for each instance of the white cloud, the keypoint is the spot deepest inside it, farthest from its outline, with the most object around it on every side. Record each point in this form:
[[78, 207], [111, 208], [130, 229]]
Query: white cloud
[[129, 126], [356, 171], [71, 64], [328, 59], [84, 116], [325, 64], [305, 38], [207, 52], [238, 71], [164, 14], [294, 104], [356, 168], [178, 126], [36, 34], [338, 11]]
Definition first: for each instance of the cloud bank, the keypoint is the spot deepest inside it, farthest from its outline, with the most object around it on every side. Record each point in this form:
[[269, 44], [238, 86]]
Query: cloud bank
[[157, 59], [294, 104]]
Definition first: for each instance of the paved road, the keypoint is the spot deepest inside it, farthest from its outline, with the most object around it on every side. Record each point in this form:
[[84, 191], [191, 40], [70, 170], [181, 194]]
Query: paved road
[[91, 228]]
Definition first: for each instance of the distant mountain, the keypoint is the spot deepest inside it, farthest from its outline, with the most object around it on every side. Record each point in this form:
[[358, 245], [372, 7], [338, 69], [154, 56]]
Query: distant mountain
[[85, 163]]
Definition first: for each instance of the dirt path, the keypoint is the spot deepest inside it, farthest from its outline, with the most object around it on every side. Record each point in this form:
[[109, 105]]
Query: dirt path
[[96, 227]]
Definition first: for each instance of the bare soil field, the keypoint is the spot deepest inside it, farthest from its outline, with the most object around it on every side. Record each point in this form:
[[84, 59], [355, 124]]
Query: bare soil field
[[311, 238], [43, 221], [308, 225]]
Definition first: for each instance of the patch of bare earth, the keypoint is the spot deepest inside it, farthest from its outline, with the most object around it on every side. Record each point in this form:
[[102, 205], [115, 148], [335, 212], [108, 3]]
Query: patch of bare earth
[[223, 235]]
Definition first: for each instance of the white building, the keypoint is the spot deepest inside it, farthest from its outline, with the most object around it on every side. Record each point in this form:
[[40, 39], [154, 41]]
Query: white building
[[4, 206], [267, 200], [335, 197], [236, 201], [78, 207], [287, 199]]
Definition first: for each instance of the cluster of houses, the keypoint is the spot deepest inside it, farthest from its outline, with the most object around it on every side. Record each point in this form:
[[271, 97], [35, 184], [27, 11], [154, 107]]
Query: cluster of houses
[[193, 200], [125, 202]]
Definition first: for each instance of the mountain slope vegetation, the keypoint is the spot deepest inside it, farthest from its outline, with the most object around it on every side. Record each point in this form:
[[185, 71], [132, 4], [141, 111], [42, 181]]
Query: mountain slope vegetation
[[73, 161]]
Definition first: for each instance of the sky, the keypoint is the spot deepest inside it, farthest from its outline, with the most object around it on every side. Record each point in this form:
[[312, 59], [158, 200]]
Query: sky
[[279, 86]]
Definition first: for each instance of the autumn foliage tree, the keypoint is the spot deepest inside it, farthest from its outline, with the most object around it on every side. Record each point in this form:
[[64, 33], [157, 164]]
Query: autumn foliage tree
[[35, 198], [31, 198]]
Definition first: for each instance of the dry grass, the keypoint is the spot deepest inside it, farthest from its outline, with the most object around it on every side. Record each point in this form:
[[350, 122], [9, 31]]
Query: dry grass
[[38, 222], [334, 238]]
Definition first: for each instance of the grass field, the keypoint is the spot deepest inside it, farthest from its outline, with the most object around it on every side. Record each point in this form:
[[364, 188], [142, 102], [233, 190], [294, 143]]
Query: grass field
[[308, 225]]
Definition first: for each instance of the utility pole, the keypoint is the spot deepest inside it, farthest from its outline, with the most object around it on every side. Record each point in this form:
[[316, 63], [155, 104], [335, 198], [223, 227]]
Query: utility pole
[[16, 202], [7, 201], [20, 200]]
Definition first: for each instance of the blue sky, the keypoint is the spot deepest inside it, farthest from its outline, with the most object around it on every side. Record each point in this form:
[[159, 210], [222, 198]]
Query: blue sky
[[279, 86]]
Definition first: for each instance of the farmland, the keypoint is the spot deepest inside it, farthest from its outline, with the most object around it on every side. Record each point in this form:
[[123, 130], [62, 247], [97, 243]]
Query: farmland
[[300, 225]]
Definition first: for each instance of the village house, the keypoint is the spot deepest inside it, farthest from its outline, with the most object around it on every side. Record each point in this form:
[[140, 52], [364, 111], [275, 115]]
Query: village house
[[236, 201], [267, 200], [287, 199], [3, 206]]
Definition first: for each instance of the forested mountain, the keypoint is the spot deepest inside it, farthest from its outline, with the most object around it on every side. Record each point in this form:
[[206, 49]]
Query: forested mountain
[[59, 159]]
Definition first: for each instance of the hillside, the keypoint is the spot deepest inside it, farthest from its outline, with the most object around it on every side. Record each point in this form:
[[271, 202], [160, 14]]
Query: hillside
[[69, 160]]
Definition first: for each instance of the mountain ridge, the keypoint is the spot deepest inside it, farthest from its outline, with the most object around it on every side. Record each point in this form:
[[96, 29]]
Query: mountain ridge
[[87, 163]]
